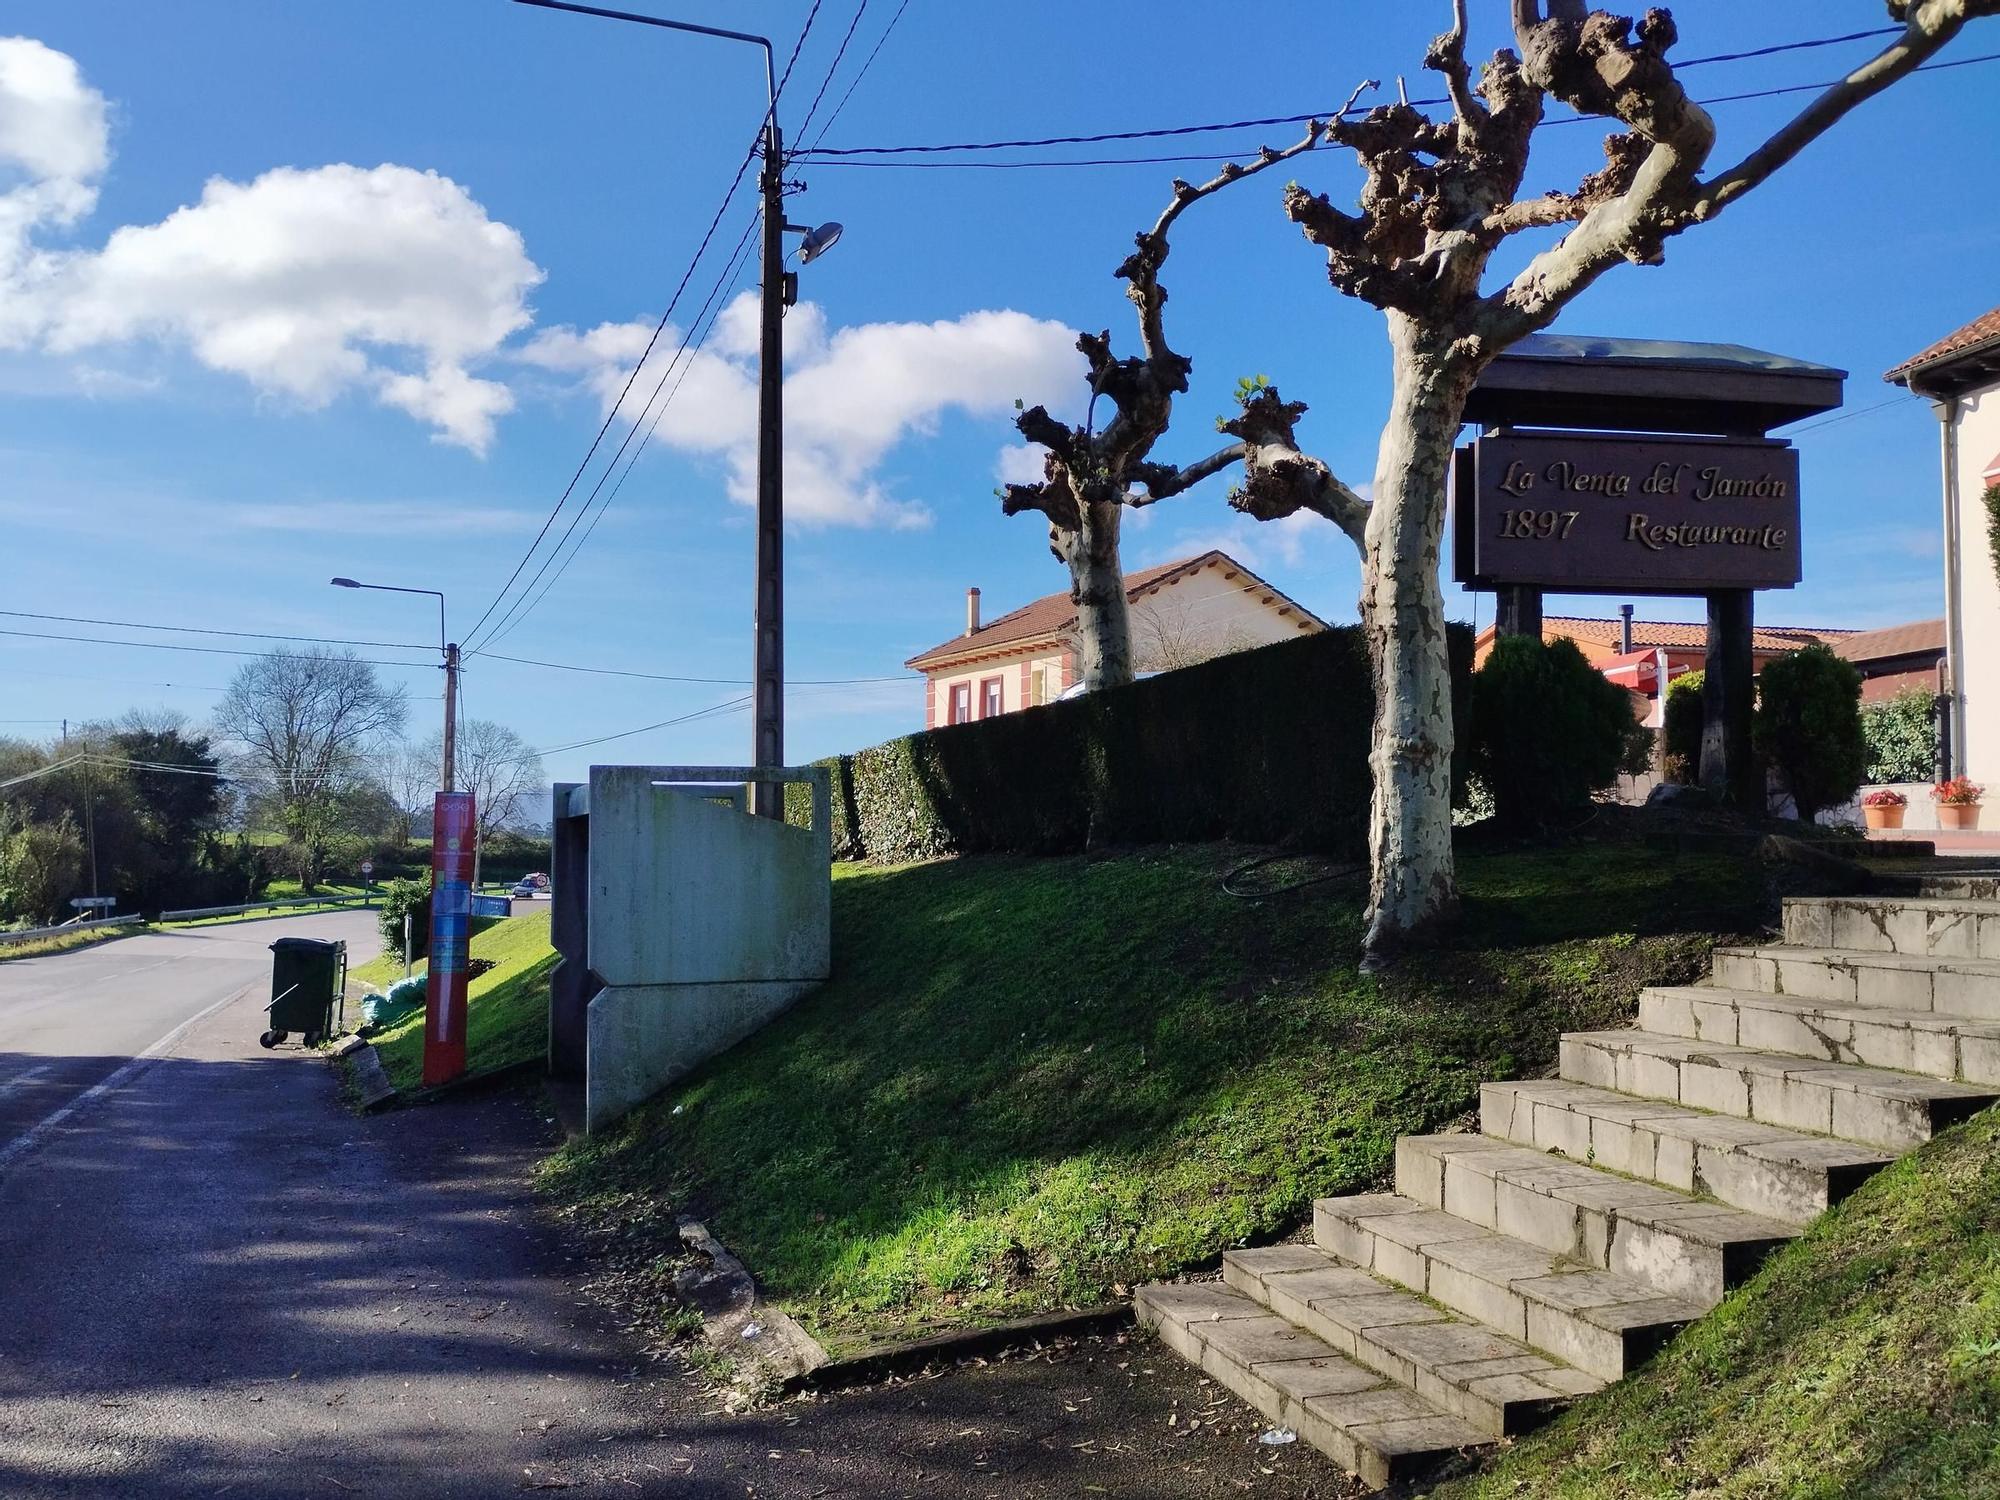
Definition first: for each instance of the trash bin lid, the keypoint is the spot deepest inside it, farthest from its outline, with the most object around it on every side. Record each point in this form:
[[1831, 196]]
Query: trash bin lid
[[303, 944]]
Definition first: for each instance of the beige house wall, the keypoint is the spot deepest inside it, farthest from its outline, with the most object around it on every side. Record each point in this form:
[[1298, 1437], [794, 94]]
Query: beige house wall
[[1017, 675], [1973, 440], [1207, 614]]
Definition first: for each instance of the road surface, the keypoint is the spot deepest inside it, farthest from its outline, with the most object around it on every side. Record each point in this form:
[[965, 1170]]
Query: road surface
[[215, 1280], [68, 1021]]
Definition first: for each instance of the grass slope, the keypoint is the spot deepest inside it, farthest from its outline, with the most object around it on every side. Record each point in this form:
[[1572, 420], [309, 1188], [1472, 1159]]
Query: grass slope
[[507, 1007], [1862, 1361], [67, 942], [1035, 1083]]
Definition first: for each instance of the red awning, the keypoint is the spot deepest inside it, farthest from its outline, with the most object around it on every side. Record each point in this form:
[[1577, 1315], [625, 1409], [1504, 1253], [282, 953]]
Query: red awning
[[1640, 670]]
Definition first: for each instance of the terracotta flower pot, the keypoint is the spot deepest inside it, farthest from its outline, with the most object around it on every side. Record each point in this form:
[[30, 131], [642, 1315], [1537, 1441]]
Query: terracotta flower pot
[[1958, 814], [1883, 817]]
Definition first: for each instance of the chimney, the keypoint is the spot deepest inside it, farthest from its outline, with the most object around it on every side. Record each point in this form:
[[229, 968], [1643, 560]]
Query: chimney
[[1624, 629], [972, 611]]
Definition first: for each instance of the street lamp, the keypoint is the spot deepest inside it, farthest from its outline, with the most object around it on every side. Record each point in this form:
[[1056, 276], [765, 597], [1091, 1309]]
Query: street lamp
[[779, 292], [450, 651]]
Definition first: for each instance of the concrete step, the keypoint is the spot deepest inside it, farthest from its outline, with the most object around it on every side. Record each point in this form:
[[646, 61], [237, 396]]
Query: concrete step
[[1906, 981], [1500, 1386], [1972, 885], [1927, 926], [1358, 1417], [1598, 1321], [1679, 1245], [1764, 1169], [1877, 1036], [1897, 1111]]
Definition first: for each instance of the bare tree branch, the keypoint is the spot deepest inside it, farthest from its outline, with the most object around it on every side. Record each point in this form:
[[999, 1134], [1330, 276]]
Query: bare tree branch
[[1163, 481], [1278, 479]]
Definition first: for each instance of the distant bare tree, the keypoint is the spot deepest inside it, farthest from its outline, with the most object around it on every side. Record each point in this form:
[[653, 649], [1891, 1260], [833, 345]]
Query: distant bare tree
[[505, 777], [310, 725]]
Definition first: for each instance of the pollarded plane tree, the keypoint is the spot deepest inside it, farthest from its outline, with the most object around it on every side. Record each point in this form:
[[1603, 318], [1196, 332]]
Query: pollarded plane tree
[[1439, 198], [1091, 473]]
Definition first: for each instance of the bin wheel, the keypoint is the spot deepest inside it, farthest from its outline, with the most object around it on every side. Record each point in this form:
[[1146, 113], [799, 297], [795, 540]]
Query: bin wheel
[[310, 1039], [268, 1039]]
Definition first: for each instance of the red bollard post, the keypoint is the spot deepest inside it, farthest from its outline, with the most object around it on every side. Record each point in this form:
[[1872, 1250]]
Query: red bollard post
[[451, 933]]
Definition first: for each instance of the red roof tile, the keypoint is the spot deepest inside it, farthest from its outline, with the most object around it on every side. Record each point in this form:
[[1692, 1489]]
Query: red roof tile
[[1680, 634], [1921, 638], [1981, 330], [1051, 617]]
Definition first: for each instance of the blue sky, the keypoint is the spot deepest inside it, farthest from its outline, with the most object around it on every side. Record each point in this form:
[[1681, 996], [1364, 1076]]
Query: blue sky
[[174, 449]]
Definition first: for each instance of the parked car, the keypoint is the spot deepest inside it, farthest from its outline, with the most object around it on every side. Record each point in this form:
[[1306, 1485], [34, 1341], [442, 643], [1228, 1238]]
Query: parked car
[[531, 885]]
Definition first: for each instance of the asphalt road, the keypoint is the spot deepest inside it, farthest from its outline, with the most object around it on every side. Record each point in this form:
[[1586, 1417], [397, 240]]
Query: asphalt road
[[70, 1020], [215, 1280]]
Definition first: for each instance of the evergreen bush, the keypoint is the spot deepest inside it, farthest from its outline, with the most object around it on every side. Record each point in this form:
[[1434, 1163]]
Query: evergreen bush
[[411, 898], [1681, 737], [1808, 726], [1548, 731], [1901, 734]]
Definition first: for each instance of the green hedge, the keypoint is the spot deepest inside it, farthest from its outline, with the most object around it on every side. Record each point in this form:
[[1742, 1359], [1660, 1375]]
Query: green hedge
[[1267, 746]]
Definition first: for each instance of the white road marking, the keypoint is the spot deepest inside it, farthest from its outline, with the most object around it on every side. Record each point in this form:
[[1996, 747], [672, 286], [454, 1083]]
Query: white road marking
[[125, 1073]]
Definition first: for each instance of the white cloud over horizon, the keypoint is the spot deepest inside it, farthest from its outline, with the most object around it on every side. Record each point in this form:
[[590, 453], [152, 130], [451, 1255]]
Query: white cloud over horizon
[[852, 395], [309, 283]]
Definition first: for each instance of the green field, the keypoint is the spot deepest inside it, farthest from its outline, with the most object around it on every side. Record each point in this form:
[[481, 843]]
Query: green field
[[68, 942], [1033, 1084]]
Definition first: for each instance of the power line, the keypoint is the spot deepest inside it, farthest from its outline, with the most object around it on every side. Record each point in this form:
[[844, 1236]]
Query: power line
[[96, 640], [610, 416], [732, 705], [563, 666], [1848, 416], [522, 607], [866, 63], [254, 635], [813, 109]]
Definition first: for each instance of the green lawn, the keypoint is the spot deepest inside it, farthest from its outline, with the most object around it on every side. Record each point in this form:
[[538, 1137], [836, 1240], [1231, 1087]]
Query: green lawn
[[65, 942], [1035, 1083], [508, 1006], [1862, 1361]]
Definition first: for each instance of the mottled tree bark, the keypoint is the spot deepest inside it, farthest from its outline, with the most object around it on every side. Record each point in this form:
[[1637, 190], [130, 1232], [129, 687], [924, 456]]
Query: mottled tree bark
[[1097, 587]]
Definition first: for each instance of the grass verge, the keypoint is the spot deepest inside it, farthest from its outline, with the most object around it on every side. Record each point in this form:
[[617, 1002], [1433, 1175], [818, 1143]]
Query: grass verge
[[1862, 1361], [1033, 1084], [506, 1007], [66, 942]]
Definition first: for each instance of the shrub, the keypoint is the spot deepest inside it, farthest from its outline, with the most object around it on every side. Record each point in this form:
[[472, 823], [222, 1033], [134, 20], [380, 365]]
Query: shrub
[[1808, 726], [411, 898], [1681, 737], [1548, 731], [1267, 746], [41, 866], [1901, 735]]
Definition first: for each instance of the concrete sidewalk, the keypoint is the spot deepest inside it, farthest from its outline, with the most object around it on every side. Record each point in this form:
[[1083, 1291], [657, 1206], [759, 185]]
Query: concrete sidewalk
[[222, 1282]]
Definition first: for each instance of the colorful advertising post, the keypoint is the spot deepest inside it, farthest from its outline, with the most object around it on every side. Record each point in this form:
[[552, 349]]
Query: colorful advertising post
[[451, 932]]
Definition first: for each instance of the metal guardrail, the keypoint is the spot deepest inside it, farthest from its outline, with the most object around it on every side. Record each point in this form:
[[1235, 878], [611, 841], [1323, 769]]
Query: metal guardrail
[[276, 905], [27, 933]]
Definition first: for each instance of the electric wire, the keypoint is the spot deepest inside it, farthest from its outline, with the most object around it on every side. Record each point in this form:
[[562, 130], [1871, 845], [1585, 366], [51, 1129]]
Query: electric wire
[[790, 682], [866, 63], [813, 109], [255, 635], [95, 640], [732, 705], [522, 606], [1179, 130]]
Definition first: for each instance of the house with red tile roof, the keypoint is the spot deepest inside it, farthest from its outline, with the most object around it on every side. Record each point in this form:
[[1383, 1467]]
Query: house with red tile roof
[[1182, 612], [1960, 375], [1896, 658]]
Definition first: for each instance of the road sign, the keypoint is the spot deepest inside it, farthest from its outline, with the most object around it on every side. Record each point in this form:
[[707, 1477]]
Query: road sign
[[367, 867], [85, 903]]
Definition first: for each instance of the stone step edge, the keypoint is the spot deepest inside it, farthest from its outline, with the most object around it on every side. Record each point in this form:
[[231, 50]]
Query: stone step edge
[[1611, 1124], [1927, 1044], [1859, 1078], [1371, 1427], [1865, 958], [1973, 905], [1595, 1320], [1852, 1010], [1504, 1389], [1680, 1245]]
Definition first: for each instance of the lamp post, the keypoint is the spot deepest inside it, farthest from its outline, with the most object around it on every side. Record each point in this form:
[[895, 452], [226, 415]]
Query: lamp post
[[450, 652], [780, 290]]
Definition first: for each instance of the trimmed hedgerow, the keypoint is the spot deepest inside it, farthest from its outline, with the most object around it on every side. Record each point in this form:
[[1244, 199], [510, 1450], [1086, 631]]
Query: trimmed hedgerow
[[1267, 746]]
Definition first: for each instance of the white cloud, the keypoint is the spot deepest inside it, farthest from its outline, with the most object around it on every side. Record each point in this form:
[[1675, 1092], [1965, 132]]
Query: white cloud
[[1291, 540], [310, 283], [852, 395], [1022, 463]]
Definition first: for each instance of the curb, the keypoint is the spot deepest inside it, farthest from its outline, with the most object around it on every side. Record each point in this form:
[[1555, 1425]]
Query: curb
[[885, 1360], [364, 1069]]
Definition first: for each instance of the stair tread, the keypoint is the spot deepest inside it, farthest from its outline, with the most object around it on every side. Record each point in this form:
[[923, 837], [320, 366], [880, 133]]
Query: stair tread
[[1883, 1082], [1704, 1127], [1604, 1299], [1702, 1221], [1865, 957], [1846, 1010], [1971, 905], [1357, 1416], [1383, 1324]]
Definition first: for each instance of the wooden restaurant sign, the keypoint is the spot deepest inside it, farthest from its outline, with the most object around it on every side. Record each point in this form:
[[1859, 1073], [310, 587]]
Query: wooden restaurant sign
[[1579, 512]]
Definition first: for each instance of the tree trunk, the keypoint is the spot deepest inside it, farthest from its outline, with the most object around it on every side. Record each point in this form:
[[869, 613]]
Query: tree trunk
[[1097, 585], [1402, 613]]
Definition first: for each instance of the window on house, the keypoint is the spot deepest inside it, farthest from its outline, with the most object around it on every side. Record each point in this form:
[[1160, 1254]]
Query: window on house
[[961, 703], [1038, 685], [990, 701]]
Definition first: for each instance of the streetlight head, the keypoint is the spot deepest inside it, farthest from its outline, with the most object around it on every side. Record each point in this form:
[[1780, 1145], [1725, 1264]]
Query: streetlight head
[[345, 583], [818, 241]]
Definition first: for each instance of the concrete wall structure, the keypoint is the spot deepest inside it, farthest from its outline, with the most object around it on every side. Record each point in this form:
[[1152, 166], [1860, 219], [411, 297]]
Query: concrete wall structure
[[684, 923]]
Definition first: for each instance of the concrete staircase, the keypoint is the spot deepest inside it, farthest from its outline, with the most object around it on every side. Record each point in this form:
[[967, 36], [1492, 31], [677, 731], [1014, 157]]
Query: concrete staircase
[[1598, 1213]]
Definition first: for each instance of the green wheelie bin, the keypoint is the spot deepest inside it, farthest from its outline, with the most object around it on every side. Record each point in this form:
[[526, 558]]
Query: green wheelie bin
[[308, 980]]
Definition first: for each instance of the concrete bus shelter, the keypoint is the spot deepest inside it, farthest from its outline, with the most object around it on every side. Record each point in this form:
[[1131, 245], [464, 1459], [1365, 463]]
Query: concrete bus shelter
[[684, 922]]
